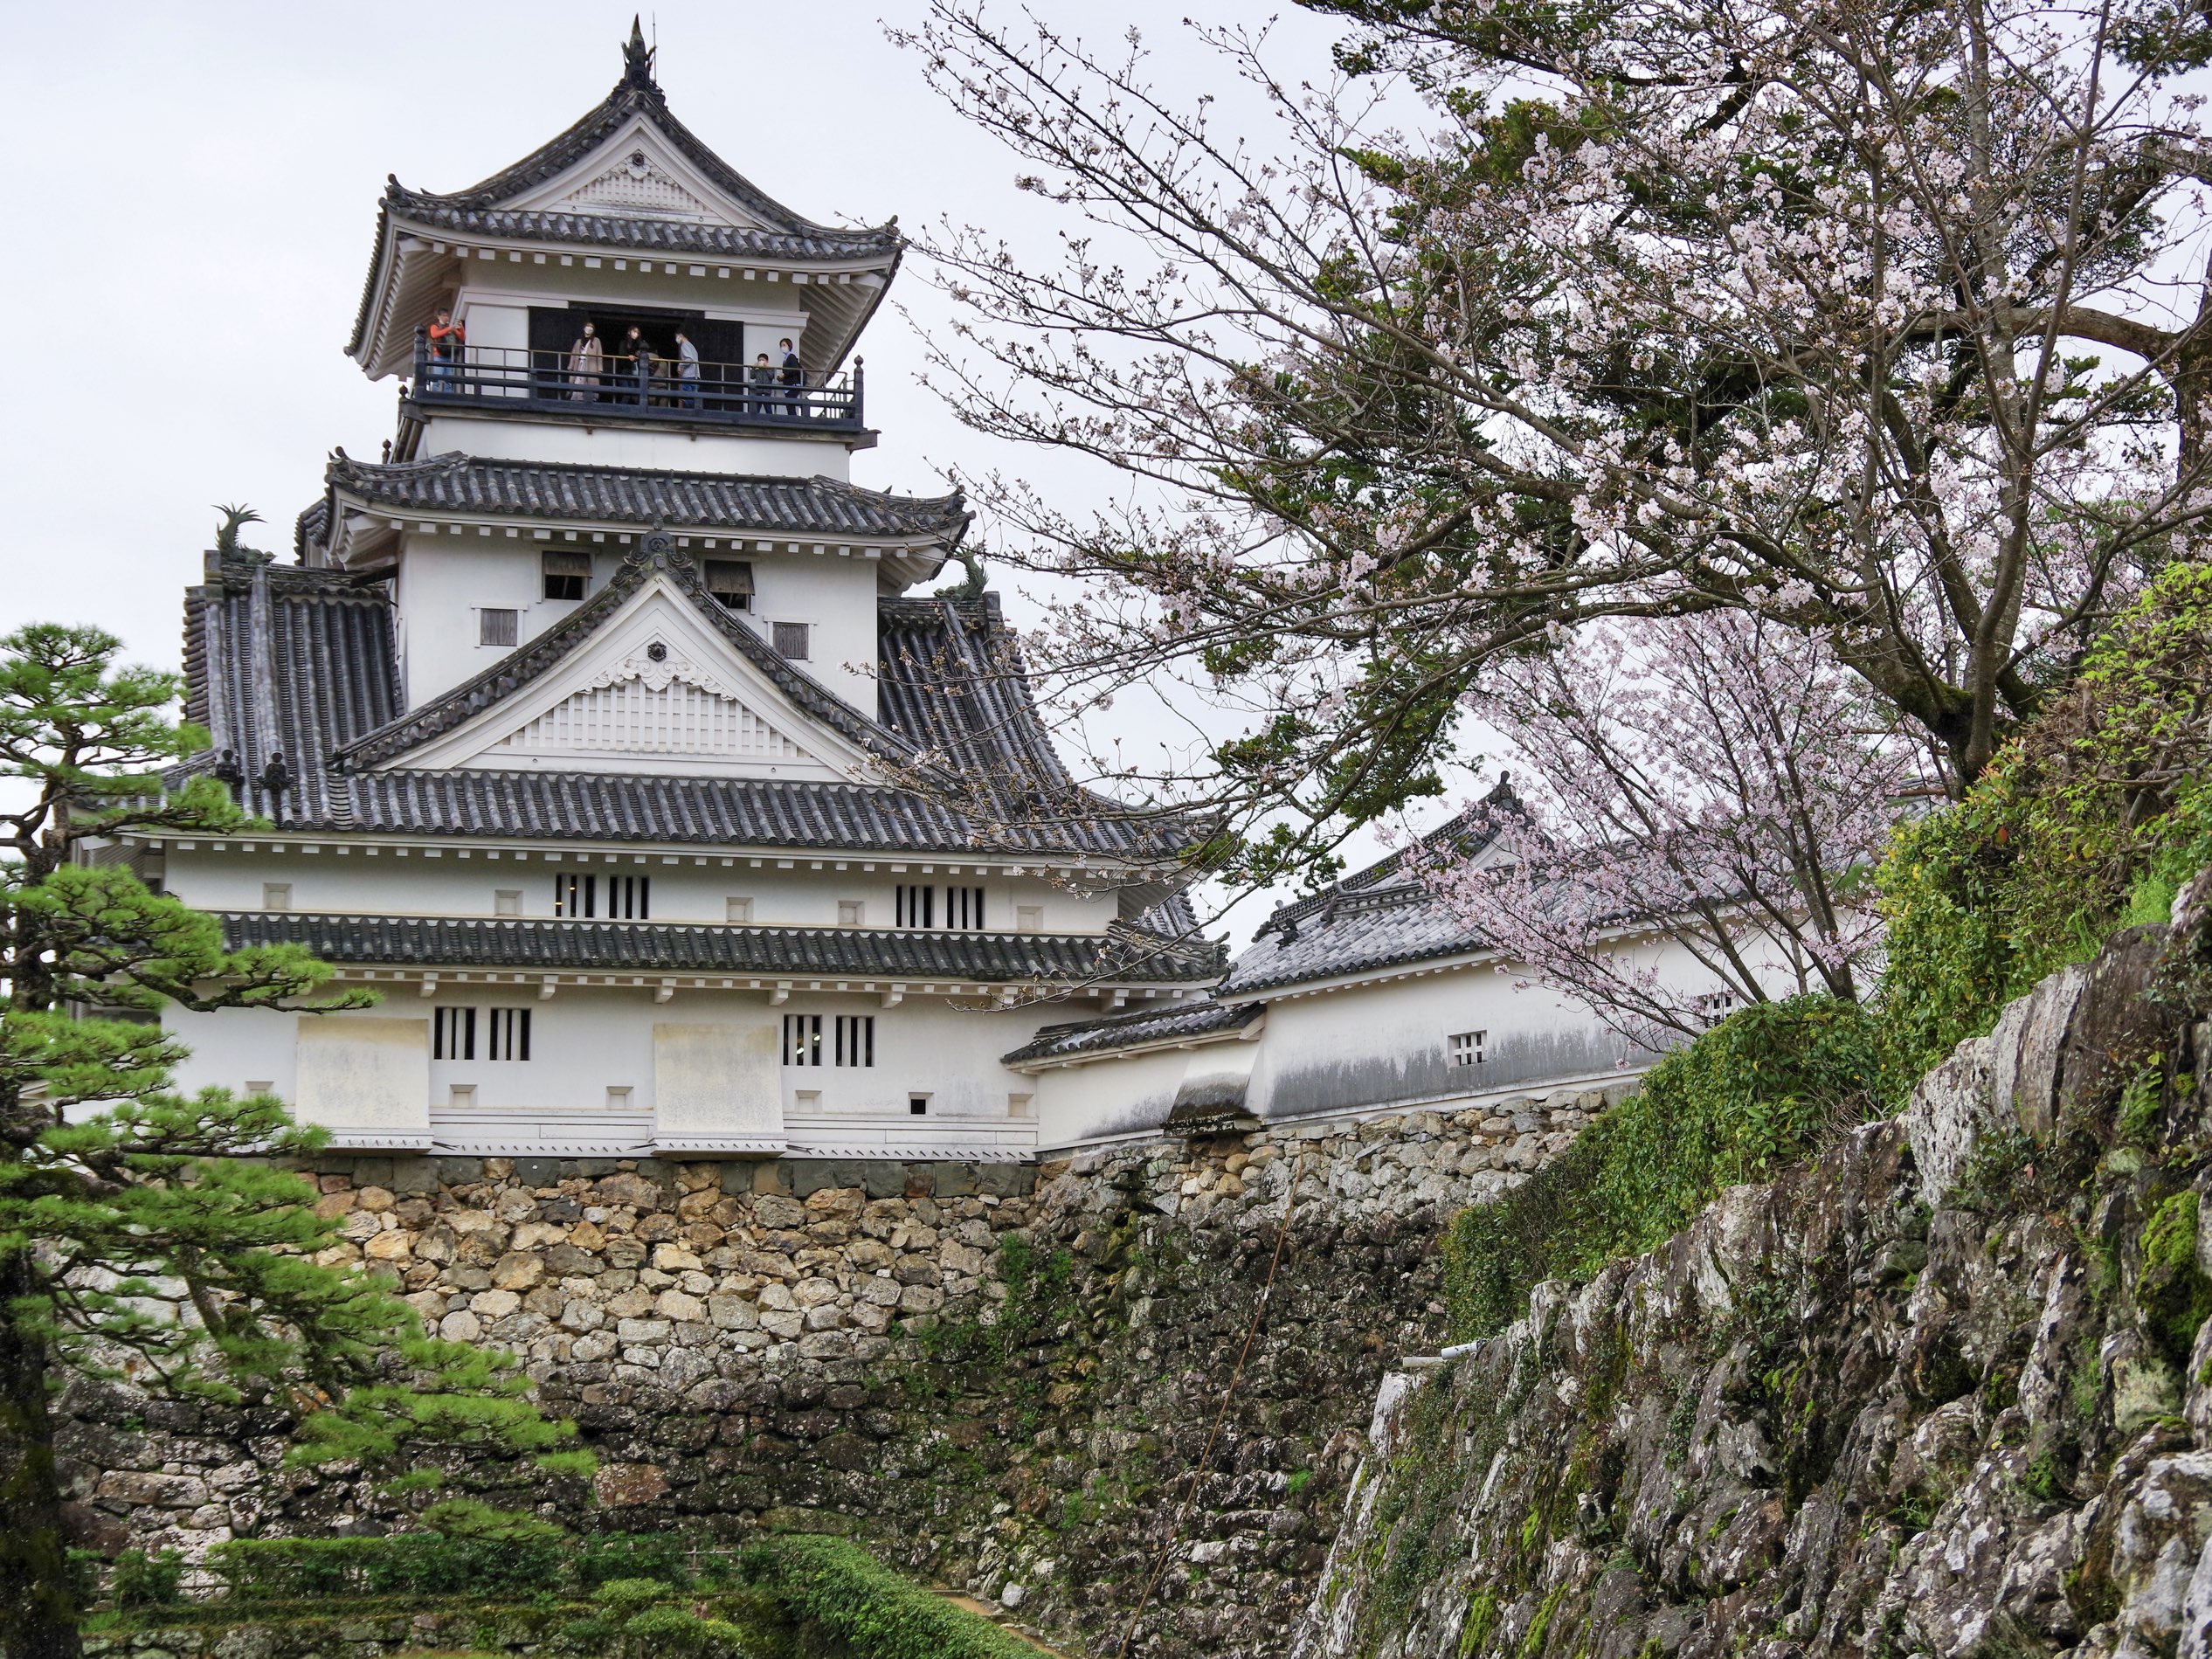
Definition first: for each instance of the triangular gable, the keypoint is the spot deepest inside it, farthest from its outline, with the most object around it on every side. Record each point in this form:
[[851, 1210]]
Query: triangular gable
[[656, 688], [635, 170]]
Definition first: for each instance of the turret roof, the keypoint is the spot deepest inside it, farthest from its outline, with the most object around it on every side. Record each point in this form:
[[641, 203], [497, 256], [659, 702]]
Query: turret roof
[[816, 505]]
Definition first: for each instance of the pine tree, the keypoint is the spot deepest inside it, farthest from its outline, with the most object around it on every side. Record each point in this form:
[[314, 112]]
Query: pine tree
[[142, 1232]]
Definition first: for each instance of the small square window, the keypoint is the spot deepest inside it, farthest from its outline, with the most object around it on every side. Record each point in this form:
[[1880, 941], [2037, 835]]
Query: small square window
[[460, 1095], [1469, 1047], [850, 912], [730, 581], [263, 1086], [618, 1098], [507, 901], [567, 575], [917, 1105], [790, 639], [276, 895], [740, 909], [1017, 1105], [1713, 1007], [496, 627], [806, 1099], [1029, 918]]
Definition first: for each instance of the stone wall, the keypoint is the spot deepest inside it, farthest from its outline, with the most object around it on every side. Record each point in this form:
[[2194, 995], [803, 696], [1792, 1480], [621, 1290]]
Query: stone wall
[[1946, 1391], [867, 1345]]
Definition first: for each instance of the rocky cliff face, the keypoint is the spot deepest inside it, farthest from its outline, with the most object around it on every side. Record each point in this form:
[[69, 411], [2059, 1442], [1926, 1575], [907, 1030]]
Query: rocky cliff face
[[1943, 1392]]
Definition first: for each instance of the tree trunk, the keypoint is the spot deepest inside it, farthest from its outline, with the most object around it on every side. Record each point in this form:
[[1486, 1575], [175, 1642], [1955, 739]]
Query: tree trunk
[[38, 1610]]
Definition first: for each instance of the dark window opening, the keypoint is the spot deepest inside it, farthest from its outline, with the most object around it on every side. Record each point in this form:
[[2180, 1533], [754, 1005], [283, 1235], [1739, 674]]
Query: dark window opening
[[731, 582], [917, 1105], [629, 897], [567, 576]]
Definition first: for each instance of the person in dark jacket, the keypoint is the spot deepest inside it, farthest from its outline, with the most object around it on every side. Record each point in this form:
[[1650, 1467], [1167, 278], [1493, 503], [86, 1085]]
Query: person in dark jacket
[[794, 379], [762, 377]]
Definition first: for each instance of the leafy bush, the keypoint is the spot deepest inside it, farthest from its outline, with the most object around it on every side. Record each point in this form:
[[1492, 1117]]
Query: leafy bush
[[144, 1580], [1768, 1085], [658, 1556], [420, 1563], [2088, 820], [847, 1595]]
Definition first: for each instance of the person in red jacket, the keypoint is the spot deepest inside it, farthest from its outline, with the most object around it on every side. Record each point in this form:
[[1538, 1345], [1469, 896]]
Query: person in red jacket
[[447, 338]]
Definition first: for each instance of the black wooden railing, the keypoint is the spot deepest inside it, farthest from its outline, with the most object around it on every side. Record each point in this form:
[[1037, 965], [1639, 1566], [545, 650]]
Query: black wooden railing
[[657, 389]]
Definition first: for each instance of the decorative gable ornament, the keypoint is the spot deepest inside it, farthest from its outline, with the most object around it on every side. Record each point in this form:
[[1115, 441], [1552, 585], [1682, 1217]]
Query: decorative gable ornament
[[653, 703], [640, 183], [656, 688]]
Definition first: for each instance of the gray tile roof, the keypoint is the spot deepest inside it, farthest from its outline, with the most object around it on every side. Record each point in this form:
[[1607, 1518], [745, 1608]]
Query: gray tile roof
[[499, 944], [949, 682], [618, 230], [1375, 918], [1131, 1030], [460, 483], [481, 210]]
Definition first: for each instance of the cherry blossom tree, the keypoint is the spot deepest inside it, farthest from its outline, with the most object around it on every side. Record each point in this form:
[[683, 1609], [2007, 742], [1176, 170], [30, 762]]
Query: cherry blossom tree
[[1883, 326], [1713, 785]]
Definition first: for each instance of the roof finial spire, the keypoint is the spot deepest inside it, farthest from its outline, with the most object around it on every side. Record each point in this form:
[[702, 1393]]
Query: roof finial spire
[[637, 57]]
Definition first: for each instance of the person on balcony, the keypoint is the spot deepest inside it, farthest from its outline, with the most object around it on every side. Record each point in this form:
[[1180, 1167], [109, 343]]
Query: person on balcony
[[793, 377], [636, 359], [687, 369], [447, 339], [586, 357], [762, 377]]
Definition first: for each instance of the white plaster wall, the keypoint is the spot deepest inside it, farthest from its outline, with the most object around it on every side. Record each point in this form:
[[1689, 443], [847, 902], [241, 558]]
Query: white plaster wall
[[751, 455], [445, 580], [456, 880], [1115, 1096], [1383, 1043], [584, 1042]]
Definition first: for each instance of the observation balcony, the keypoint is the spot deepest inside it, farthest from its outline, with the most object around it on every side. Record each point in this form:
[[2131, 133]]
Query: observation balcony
[[504, 378]]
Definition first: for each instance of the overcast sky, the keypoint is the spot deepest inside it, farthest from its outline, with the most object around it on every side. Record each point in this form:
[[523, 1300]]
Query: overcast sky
[[196, 201]]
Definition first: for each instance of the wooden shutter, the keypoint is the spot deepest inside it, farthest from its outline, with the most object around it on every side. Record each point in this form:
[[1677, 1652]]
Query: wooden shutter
[[553, 329], [722, 347]]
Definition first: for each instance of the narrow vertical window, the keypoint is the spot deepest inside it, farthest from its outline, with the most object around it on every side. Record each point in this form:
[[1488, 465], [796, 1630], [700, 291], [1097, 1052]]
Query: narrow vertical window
[[915, 907], [802, 1039], [855, 1040], [964, 909], [496, 627], [629, 897], [575, 896], [509, 1033], [453, 1034]]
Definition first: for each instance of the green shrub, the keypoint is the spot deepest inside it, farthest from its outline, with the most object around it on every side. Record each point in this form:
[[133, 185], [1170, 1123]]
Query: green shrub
[[659, 1556], [2088, 820], [144, 1580], [846, 1594], [1768, 1085], [418, 1563]]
